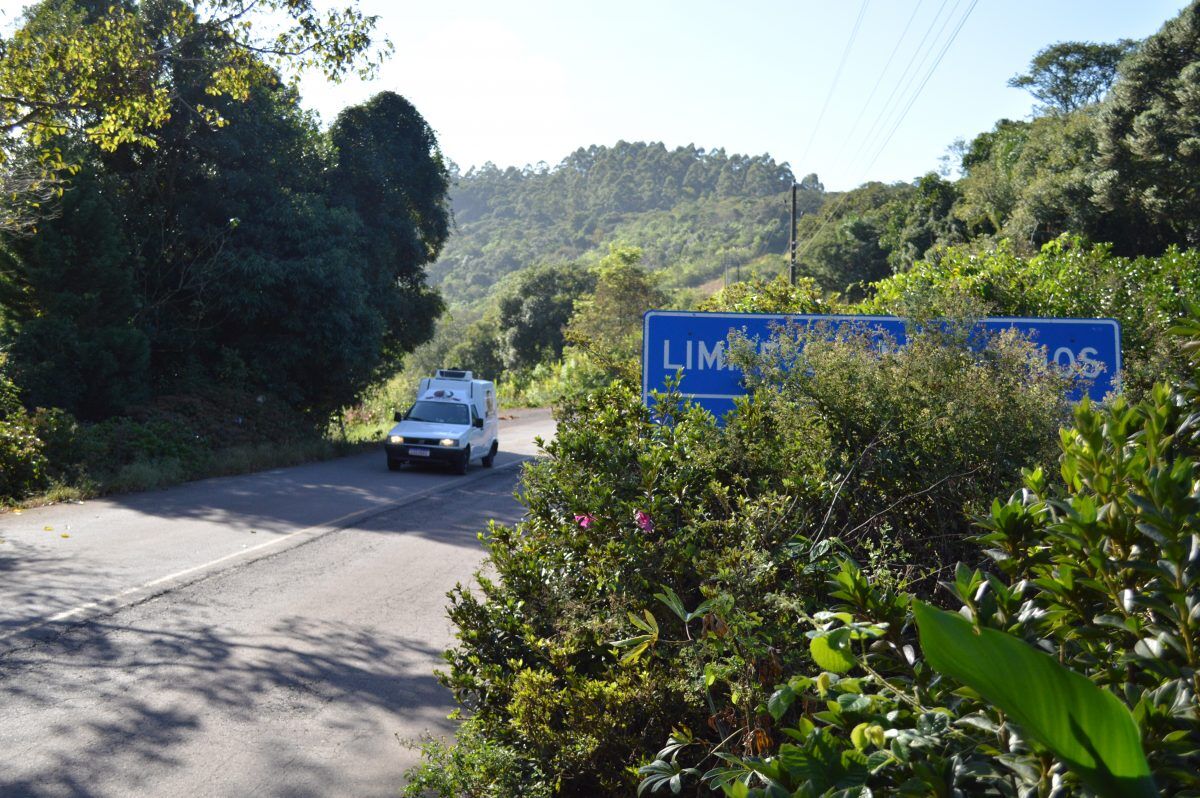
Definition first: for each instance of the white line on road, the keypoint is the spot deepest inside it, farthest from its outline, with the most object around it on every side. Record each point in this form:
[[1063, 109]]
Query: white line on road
[[112, 602]]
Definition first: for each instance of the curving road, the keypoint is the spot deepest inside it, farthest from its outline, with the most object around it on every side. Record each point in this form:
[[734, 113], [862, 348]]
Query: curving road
[[273, 634]]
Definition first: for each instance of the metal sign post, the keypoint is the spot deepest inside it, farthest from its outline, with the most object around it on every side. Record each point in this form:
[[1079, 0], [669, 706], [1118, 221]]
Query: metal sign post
[[694, 345]]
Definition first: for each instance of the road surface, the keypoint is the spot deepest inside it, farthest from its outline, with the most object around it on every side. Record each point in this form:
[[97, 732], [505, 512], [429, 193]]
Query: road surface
[[272, 634]]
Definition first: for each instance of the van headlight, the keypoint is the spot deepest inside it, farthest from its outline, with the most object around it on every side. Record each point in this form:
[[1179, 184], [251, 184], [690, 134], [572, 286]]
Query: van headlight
[[448, 442], [396, 439]]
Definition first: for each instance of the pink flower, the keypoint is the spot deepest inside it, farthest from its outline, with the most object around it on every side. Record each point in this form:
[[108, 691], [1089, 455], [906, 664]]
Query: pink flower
[[584, 521], [644, 521]]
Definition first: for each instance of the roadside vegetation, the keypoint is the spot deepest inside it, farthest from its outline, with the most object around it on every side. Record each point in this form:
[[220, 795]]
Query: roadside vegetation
[[1066, 213], [691, 607], [195, 276], [914, 571]]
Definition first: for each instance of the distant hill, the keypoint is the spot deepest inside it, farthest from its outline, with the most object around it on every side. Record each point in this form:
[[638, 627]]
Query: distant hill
[[693, 212]]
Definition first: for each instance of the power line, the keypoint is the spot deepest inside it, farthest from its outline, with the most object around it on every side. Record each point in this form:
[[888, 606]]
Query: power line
[[911, 70], [900, 119], [928, 75], [903, 80], [862, 11], [879, 80]]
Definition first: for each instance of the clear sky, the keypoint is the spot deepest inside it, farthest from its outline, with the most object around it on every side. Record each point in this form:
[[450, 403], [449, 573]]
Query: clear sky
[[520, 82], [516, 82]]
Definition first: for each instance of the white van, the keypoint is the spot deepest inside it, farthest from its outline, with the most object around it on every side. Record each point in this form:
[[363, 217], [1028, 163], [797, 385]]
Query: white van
[[455, 419]]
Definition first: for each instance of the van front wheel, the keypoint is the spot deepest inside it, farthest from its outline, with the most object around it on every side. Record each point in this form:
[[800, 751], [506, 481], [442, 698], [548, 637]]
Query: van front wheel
[[490, 459], [461, 466]]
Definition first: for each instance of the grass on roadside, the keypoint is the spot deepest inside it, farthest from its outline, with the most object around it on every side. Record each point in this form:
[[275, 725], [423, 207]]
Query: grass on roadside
[[163, 472]]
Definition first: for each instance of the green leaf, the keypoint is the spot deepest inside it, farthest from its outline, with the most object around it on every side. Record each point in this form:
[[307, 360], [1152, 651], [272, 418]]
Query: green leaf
[[673, 602], [650, 625], [859, 735], [853, 702], [832, 652], [635, 653], [703, 609], [779, 701], [1086, 727]]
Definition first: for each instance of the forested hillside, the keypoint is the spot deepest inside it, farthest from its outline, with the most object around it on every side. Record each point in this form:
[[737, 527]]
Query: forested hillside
[[1112, 166], [690, 211]]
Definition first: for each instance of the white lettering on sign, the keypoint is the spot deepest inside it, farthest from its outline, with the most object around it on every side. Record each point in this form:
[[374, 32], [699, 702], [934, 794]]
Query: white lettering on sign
[[701, 357], [714, 359], [667, 364], [706, 356], [1088, 367]]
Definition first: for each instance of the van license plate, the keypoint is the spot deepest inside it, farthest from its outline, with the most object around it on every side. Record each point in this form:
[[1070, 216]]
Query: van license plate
[[418, 452]]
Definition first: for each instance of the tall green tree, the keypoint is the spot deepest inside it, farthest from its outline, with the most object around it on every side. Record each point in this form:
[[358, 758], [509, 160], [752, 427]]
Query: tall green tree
[[258, 247], [534, 310], [1069, 75], [608, 323], [923, 221], [1149, 140], [843, 244], [106, 70], [1032, 181], [391, 173], [241, 257], [476, 349], [69, 305]]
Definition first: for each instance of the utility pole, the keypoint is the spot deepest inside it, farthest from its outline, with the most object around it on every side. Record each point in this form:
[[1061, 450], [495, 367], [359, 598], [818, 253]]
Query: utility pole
[[792, 237]]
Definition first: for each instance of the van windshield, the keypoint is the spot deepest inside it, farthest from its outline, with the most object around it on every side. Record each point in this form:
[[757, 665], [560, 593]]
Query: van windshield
[[439, 413]]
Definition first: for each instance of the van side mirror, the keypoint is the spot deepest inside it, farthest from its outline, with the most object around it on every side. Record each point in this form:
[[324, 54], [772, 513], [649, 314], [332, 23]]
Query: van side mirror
[[478, 422], [398, 416]]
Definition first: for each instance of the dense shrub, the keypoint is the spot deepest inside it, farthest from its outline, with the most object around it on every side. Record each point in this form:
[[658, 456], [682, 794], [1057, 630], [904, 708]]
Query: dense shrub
[[901, 439], [657, 577], [1098, 568], [550, 383], [215, 431], [22, 461], [757, 295], [1066, 279]]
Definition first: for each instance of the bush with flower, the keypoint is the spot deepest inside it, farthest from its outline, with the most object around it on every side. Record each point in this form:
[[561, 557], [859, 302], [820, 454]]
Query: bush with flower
[[656, 581]]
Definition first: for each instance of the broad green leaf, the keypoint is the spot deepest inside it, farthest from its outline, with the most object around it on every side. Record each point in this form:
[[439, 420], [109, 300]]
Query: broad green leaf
[[852, 702], [832, 652], [703, 609], [1086, 727], [779, 701], [858, 736]]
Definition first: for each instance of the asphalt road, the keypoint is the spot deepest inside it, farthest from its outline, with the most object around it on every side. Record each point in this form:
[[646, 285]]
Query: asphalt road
[[272, 634]]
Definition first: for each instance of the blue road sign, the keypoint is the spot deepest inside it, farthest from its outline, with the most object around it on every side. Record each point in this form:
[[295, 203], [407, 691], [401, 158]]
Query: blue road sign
[[695, 345]]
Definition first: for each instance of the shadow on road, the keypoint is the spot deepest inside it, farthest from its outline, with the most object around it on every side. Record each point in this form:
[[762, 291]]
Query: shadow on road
[[455, 517], [39, 585], [288, 499], [79, 690]]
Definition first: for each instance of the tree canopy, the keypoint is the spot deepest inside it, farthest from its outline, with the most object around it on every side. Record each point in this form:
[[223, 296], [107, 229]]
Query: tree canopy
[[534, 309], [687, 209], [109, 72], [1149, 149], [228, 239], [1066, 76]]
